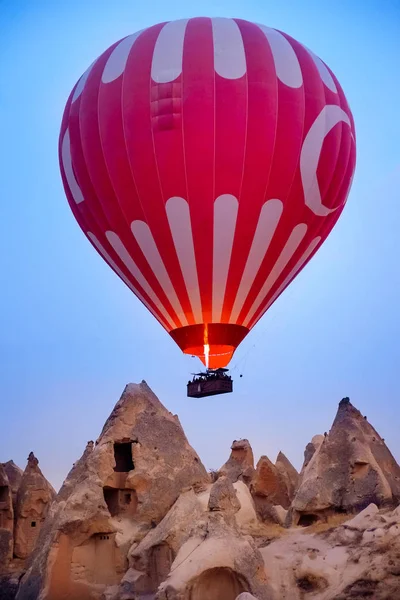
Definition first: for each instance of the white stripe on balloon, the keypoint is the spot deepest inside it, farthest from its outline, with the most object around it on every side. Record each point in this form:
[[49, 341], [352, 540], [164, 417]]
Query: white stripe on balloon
[[225, 214], [295, 238], [167, 323], [178, 214], [148, 246], [291, 275], [287, 65], [68, 169], [168, 52], [126, 258], [116, 63], [229, 54], [268, 220]]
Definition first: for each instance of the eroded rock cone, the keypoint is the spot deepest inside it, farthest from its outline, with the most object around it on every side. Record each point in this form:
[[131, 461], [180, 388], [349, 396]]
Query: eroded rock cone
[[350, 469], [14, 474], [194, 516], [268, 482], [240, 465], [223, 497], [268, 488], [6, 519], [120, 488], [310, 450], [288, 474], [35, 494]]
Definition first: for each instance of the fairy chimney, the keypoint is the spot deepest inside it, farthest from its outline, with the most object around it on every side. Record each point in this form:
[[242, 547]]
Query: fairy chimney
[[119, 490], [240, 465], [350, 469], [6, 518], [288, 474], [35, 494], [14, 474]]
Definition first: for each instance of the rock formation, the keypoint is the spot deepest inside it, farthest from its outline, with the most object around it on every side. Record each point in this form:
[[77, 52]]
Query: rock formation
[[223, 497], [220, 515], [6, 518], [268, 488], [310, 450], [355, 560], [240, 465], [351, 468], [288, 474], [14, 474], [138, 519], [120, 489], [216, 563], [35, 494]]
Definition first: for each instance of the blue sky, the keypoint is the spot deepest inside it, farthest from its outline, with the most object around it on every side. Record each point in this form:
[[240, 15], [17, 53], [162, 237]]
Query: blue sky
[[72, 335]]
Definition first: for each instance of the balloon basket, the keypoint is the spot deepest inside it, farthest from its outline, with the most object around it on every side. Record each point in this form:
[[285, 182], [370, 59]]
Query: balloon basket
[[210, 383]]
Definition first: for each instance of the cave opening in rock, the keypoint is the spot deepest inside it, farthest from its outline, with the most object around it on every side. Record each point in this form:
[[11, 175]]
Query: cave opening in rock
[[33, 523], [3, 493], [123, 457], [120, 502], [340, 510], [220, 583], [311, 583], [307, 519]]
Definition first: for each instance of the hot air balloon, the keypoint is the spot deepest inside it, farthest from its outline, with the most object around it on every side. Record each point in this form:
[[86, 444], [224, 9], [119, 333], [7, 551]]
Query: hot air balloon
[[207, 160]]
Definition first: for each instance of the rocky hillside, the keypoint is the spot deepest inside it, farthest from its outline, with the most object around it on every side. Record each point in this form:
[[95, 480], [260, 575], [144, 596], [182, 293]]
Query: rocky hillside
[[139, 518]]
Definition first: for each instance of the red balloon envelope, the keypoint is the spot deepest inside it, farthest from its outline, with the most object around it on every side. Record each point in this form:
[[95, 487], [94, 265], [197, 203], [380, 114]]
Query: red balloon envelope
[[207, 160]]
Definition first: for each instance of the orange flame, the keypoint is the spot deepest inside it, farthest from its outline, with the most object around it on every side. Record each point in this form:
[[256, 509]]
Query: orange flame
[[206, 346]]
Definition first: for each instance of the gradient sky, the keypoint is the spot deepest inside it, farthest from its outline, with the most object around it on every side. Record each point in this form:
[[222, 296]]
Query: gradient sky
[[72, 335]]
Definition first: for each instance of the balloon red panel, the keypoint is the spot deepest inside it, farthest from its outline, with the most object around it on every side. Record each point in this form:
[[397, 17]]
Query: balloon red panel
[[207, 160]]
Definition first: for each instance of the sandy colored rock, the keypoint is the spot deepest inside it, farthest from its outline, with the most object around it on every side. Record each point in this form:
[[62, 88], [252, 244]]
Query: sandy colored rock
[[223, 497], [35, 494], [216, 563], [120, 488], [350, 469], [240, 465], [14, 474], [268, 484], [150, 561], [192, 515], [310, 450], [6, 519], [278, 514], [246, 518], [288, 474], [340, 563], [363, 519], [137, 519]]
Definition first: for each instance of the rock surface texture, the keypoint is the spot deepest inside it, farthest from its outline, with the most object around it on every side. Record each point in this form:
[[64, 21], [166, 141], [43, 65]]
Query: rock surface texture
[[35, 494], [269, 488], [6, 518], [349, 469], [240, 465], [356, 560], [121, 488], [14, 474], [288, 474], [138, 519]]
